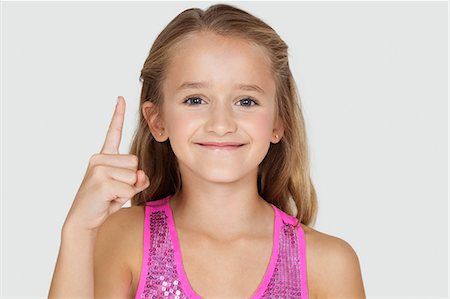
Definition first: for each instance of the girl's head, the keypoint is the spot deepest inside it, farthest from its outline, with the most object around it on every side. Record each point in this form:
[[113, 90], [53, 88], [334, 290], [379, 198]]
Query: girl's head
[[223, 75]]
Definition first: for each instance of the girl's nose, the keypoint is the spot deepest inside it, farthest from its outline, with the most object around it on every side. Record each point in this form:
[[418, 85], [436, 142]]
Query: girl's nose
[[220, 119]]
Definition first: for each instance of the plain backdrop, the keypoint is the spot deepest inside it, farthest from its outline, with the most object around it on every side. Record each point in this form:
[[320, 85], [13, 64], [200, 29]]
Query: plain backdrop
[[373, 81]]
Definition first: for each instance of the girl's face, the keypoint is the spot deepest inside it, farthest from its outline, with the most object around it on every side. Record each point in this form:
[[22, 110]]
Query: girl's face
[[219, 89]]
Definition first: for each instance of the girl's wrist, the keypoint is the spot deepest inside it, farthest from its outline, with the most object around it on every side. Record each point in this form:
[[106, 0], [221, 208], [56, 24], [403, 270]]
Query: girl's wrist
[[70, 230]]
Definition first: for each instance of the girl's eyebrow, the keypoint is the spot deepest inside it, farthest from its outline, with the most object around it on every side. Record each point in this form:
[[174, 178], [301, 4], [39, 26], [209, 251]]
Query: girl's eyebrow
[[198, 85]]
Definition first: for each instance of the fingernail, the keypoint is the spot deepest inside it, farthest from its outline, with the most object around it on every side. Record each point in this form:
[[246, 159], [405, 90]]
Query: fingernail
[[117, 99]]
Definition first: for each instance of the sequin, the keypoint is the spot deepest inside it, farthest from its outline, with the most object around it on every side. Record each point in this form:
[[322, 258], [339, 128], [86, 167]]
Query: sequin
[[161, 278]]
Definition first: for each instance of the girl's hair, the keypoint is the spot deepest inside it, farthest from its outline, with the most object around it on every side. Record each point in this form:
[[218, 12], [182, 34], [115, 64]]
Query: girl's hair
[[284, 174]]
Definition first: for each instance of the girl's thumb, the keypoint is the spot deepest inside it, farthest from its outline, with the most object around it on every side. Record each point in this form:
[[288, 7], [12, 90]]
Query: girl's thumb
[[142, 181]]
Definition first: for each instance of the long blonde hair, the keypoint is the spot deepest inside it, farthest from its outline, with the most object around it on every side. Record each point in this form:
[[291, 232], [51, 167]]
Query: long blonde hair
[[284, 174]]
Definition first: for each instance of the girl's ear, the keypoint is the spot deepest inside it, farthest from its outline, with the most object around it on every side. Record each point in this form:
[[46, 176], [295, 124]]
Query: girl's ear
[[278, 131], [154, 121]]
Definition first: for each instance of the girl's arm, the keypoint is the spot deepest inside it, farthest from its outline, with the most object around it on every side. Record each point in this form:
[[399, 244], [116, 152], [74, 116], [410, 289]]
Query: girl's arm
[[93, 264], [114, 248], [73, 276], [111, 179], [343, 277]]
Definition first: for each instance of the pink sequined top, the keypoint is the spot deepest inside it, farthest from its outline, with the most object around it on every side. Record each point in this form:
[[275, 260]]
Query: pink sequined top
[[163, 275]]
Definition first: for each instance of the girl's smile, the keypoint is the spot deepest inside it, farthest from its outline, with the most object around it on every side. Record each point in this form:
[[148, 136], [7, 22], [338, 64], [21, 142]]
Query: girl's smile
[[220, 148]]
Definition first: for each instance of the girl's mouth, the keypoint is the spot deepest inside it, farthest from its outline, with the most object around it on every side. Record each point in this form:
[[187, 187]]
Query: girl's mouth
[[220, 147]]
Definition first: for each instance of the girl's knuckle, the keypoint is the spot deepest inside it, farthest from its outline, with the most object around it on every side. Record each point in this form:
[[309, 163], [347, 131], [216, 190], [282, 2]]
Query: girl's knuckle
[[93, 159], [103, 187], [134, 159], [97, 170]]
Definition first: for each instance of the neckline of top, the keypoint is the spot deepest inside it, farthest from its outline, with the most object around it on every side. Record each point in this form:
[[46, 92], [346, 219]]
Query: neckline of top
[[179, 262]]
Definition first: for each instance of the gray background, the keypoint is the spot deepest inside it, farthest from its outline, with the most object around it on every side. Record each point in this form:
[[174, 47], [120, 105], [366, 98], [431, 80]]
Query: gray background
[[373, 81]]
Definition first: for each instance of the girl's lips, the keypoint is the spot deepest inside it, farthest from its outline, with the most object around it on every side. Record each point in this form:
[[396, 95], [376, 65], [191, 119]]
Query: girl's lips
[[221, 147], [220, 143]]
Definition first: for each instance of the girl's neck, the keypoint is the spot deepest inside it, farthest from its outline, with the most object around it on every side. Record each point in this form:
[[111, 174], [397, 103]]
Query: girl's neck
[[224, 218]]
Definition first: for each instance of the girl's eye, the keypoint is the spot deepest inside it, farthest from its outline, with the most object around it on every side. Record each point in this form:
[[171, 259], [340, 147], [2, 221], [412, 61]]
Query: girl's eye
[[248, 100], [192, 98], [198, 100]]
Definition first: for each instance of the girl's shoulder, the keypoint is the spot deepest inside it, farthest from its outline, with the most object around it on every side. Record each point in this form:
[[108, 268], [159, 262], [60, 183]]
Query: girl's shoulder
[[118, 251], [331, 261], [128, 225]]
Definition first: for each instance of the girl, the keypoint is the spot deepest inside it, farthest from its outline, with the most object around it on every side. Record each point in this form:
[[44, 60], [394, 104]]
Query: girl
[[217, 170]]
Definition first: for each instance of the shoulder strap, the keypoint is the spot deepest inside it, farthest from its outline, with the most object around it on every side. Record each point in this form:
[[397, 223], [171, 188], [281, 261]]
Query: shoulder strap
[[291, 266], [145, 256], [150, 206], [159, 276], [302, 257]]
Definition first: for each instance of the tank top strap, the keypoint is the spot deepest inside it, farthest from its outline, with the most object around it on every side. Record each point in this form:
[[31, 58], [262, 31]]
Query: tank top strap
[[159, 204], [302, 256], [159, 277], [292, 261]]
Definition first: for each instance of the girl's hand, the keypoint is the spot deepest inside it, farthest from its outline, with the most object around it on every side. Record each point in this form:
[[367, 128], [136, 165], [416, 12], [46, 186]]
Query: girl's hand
[[110, 181]]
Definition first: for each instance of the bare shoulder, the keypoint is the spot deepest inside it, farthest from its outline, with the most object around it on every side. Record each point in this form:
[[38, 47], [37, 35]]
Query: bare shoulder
[[115, 250], [128, 218], [333, 267], [124, 224], [127, 223]]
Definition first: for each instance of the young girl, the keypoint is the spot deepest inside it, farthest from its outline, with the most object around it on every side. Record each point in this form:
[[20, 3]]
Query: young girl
[[218, 176]]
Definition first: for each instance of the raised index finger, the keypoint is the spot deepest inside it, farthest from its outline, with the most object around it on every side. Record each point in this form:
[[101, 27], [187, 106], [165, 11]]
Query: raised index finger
[[114, 134]]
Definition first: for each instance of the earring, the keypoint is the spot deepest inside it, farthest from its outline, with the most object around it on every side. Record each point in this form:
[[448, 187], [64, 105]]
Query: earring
[[160, 133], [276, 136]]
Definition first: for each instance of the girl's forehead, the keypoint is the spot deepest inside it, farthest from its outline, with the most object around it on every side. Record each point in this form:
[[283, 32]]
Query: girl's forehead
[[204, 48], [213, 58]]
